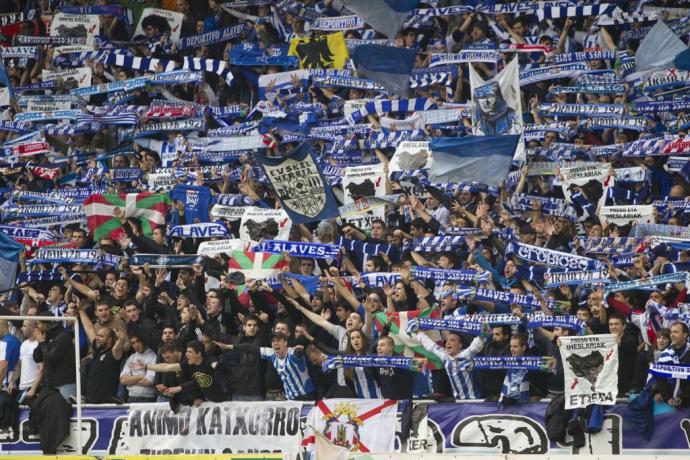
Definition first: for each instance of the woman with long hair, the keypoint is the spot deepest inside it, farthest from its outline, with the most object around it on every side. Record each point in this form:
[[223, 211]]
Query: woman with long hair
[[365, 385]]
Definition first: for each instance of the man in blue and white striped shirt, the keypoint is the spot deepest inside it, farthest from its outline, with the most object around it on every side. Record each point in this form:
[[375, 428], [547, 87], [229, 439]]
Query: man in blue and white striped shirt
[[290, 363], [458, 362]]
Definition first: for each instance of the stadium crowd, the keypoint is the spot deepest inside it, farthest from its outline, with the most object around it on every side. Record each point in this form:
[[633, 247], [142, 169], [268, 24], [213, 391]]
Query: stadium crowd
[[206, 329]]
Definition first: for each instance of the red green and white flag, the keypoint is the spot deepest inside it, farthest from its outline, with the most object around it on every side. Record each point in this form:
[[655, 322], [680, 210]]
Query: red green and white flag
[[405, 344], [256, 265], [149, 208]]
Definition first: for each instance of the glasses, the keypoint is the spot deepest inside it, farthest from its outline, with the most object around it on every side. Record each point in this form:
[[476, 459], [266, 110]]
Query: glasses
[[374, 299]]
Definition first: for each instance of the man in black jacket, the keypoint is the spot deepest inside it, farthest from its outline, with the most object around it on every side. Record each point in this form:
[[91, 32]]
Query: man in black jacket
[[56, 350], [247, 376], [395, 383], [491, 381]]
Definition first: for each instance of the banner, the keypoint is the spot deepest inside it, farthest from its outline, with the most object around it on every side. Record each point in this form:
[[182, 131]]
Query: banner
[[69, 78], [626, 215], [201, 230], [586, 187], [321, 52], [213, 248], [300, 186], [259, 224], [362, 182], [173, 19], [590, 367], [496, 106], [212, 428], [359, 425], [75, 25], [449, 428], [410, 156]]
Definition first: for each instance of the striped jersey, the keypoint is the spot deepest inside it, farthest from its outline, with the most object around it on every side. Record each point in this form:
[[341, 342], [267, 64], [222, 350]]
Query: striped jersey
[[365, 385], [458, 367], [292, 370]]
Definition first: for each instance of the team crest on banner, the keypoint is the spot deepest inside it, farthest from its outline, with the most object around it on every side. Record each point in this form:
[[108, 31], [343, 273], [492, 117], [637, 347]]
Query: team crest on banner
[[359, 425], [590, 367], [301, 188]]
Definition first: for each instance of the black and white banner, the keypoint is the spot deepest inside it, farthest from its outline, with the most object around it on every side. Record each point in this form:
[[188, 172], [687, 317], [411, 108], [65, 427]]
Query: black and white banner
[[586, 186], [235, 427], [215, 247], [173, 19], [590, 368], [625, 215], [363, 182], [259, 224], [75, 25]]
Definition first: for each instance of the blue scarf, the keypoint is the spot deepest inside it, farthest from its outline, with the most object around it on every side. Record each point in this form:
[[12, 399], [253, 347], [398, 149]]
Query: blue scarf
[[165, 260], [299, 249], [25, 233], [343, 361], [678, 277], [550, 257], [214, 36], [531, 363], [203, 230], [437, 274], [360, 248], [74, 256]]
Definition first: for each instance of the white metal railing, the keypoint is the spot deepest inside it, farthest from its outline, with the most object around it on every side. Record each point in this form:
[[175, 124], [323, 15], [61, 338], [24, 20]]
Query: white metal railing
[[77, 360]]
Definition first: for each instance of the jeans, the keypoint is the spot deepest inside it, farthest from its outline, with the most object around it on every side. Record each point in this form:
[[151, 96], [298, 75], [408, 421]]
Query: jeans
[[67, 390]]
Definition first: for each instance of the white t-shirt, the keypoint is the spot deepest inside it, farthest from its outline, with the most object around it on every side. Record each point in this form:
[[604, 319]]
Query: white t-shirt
[[148, 357], [29, 366]]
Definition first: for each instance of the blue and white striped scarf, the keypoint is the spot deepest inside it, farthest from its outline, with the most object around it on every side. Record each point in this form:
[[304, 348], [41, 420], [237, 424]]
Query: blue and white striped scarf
[[556, 12], [539, 74], [678, 277], [381, 106], [608, 245], [675, 231], [438, 243]]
